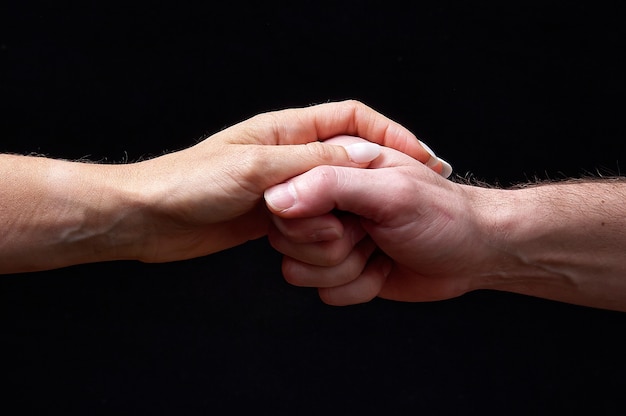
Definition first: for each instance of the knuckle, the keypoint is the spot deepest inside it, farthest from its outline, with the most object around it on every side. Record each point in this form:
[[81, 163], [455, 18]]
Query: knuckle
[[331, 255], [251, 165], [353, 104], [317, 182], [320, 151], [325, 175]]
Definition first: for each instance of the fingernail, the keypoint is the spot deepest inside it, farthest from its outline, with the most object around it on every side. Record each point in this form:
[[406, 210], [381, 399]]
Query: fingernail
[[447, 169], [429, 150], [363, 152], [434, 160], [281, 197]]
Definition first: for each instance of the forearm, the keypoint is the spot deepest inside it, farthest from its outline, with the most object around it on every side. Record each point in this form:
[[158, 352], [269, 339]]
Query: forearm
[[56, 213], [563, 242]]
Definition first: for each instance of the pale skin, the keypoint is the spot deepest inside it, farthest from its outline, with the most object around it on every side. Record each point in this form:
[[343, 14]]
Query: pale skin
[[190, 203], [407, 234]]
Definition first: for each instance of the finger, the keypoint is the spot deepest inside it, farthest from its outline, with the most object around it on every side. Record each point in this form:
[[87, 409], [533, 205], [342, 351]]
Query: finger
[[317, 192], [365, 192], [263, 166], [323, 121], [306, 275], [435, 163], [309, 230], [322, 253], [323, 188], [364, 288], [407, 286]]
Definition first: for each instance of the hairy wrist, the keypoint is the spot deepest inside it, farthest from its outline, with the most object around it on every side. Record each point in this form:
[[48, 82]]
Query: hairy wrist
[[558, 241], [513, 228]]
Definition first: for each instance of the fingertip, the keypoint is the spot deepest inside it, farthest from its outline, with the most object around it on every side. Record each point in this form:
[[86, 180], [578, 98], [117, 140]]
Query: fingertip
[[434, 161], [363, 152], [281, 197], [446, 170], [440, 166], [428, 149]]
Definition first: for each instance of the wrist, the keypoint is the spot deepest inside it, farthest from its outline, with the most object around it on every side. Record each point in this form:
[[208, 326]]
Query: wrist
[[105, 215], [561, 242], [57, 213], [516, 224]]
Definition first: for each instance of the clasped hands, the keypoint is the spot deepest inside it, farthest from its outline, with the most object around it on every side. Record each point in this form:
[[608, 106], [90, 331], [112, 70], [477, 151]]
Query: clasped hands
[[359, 207], [355, 219], [356, 203]]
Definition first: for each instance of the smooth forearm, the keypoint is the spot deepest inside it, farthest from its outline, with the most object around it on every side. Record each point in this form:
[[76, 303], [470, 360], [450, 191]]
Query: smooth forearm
[[57, 213], [561, 241]]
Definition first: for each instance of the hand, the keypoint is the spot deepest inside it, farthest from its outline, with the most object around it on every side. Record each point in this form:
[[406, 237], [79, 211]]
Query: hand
[[184, 204], [208, 197], [397, 230]]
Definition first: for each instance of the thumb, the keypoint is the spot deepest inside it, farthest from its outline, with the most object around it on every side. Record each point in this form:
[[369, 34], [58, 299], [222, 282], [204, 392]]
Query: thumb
[[280, 163], [361, 191]]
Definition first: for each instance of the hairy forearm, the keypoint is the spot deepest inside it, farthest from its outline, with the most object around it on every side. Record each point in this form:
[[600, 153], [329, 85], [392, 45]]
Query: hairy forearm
[[561, 241], [56, 213]]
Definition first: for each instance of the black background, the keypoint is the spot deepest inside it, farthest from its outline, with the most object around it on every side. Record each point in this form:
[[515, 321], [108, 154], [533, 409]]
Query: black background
[[505, 92]]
